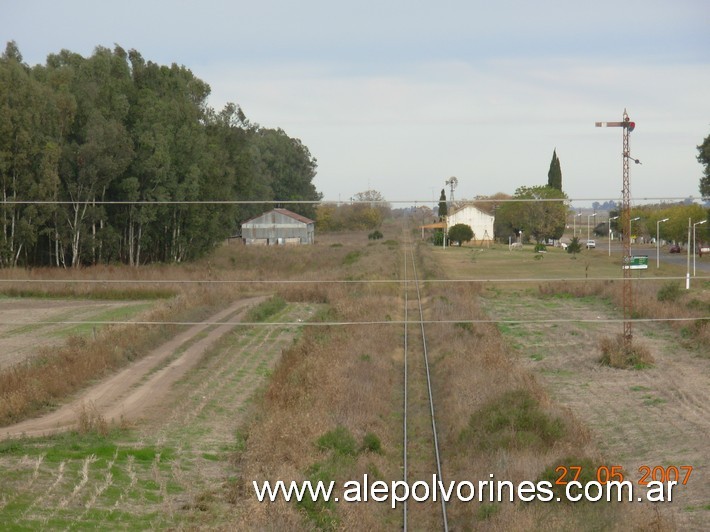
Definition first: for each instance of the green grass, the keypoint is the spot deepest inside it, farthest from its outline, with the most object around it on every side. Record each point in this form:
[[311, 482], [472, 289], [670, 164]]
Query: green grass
[[115, 294], [512, 421], [268, 308], [152, 484], [76, 446], [651, 400], [32, 502], [352, 257], [338, 440], [116, 314], [497, 262]]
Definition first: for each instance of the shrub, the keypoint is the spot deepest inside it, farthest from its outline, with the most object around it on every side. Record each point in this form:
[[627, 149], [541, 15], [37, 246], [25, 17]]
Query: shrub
[[460, 233], [617, 354], [375, 235], [540, 247], [339, 440], [574, 246], [268, 308], [371, 443], [513, 421], [91, 420], [319, 511], [669, 292]]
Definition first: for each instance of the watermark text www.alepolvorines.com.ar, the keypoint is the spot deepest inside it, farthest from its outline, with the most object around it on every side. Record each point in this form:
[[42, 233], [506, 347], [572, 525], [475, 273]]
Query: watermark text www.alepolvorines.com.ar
[[398, 491]]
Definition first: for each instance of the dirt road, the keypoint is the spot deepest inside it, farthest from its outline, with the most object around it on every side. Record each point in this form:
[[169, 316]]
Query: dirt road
[[139, 385]]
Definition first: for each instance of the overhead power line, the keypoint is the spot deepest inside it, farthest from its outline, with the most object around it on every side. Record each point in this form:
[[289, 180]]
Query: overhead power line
[[338, 281], [352, 323], [335, 202]]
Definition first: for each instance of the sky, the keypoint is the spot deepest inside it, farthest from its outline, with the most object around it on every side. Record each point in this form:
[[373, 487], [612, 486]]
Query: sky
[[399, 96]]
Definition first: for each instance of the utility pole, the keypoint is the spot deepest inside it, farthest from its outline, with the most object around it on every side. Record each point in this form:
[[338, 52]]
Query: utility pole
[[628, 301]]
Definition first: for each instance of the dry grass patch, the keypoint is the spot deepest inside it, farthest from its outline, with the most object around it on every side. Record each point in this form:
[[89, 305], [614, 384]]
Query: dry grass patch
[[327, 411], [54, 373], [688, 312], [91, 420], [617, 353], [495, 418]]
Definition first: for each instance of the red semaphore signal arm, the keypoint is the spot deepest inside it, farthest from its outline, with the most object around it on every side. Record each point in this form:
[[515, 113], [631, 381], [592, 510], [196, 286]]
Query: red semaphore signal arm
[[627, 124]]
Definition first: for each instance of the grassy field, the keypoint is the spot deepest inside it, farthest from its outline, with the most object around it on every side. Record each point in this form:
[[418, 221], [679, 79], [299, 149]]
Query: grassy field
[[165, 471], [321, 402], [498, 262]]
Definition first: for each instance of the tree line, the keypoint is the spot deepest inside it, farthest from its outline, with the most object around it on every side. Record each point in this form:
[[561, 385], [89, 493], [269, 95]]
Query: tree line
[[98, 156], [366, 210]]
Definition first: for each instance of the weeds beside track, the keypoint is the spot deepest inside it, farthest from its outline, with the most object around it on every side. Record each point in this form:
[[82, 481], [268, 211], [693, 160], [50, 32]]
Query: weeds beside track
[[421, 385]]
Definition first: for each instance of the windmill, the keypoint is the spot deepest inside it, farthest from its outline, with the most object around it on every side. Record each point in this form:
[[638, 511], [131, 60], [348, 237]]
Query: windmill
[[452, 182]]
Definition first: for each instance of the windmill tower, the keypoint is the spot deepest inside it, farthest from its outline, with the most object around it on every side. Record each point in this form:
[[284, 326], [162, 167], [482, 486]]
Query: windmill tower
[[453, 183]]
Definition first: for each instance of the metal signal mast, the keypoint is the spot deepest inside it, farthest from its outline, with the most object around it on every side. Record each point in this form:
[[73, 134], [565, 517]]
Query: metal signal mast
[[628, 299]]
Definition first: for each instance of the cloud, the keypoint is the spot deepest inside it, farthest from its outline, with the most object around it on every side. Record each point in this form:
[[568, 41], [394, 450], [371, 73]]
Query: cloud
[[407, 93]]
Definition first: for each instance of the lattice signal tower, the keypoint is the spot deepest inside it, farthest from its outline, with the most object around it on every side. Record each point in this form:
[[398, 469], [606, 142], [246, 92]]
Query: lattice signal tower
[[628, 296]]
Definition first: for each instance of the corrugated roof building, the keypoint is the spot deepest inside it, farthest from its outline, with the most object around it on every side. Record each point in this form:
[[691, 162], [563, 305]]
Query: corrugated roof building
[[278, 227]]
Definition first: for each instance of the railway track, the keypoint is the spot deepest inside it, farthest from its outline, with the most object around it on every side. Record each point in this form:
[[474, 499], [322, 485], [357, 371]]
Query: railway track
[[421, 454]]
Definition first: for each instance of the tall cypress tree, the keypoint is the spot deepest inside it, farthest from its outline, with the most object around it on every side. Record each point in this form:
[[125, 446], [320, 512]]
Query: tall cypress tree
[[554, 175], [443, 209], [704, 159]]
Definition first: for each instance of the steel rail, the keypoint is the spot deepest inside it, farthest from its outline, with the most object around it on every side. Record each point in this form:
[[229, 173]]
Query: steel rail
[[437, 453]]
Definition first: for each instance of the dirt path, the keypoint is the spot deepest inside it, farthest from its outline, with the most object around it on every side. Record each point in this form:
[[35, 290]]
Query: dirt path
[[147, 381], [653, 417], [170, 470]]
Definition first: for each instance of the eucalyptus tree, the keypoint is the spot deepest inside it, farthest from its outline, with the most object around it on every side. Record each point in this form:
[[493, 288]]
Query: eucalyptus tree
[[124, 158], [287, 169], [170, 162], [96, 146], [28, 157]]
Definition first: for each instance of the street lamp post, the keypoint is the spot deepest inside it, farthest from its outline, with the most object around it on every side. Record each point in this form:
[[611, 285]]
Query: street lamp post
[[633, 220], [694, 250], [658, 223], [588, 218], [687, 273], [574, 221], [609, 222]]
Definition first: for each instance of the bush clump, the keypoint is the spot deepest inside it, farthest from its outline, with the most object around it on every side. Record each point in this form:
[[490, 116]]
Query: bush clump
[[268, 308], [371, 443], [513, 421], [617, 353], [339, 440], [669, 292]]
